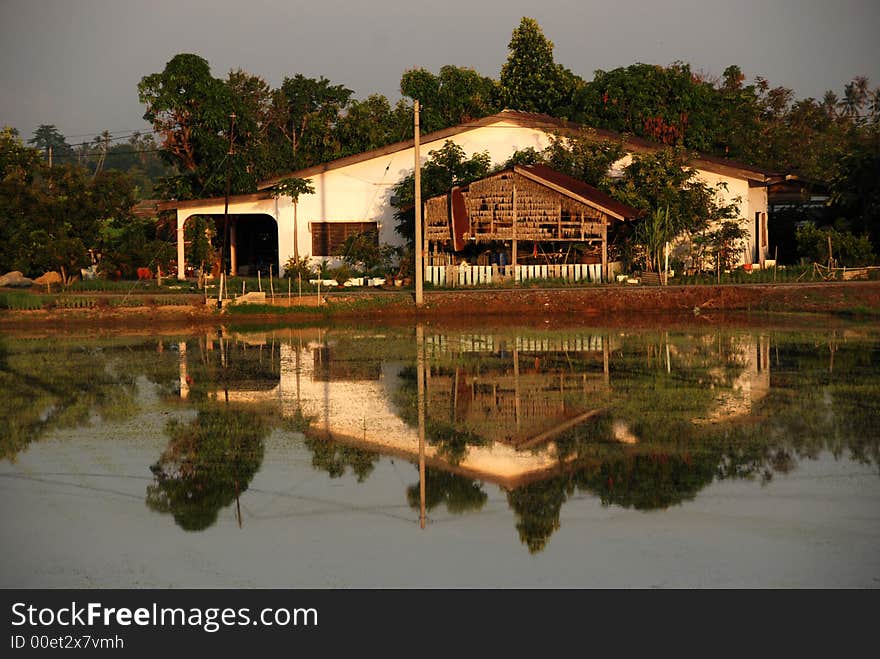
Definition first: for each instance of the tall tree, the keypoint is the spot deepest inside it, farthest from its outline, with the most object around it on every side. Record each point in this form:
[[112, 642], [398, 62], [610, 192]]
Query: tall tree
[[305, 112], [46, 137], [457, 95], [531, 81], [190, 109], [372, 123]]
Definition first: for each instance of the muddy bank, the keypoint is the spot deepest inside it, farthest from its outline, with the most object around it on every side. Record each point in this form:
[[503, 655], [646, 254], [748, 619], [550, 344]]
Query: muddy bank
[[599, 304]]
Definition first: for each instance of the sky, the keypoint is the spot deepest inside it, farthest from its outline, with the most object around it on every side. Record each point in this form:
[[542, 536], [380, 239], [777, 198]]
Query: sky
[[76, 63]]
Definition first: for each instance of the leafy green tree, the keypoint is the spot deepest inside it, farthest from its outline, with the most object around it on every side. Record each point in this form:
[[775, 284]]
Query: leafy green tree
[[846, 249], [132, 243], [670, 105], [190, 109], [455, 96], [372, 123], [531, 81], [855, 189], [585, 158], [662, 180], [446, 167], [46, 137], [304, 115], [52, 217]]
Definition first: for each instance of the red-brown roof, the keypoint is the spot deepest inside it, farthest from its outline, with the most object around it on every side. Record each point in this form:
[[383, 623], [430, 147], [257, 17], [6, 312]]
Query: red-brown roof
[[576, 188], [543, 122]]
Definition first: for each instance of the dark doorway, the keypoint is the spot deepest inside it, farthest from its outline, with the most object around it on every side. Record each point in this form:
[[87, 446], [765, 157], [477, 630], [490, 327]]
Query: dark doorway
[[256, 244]]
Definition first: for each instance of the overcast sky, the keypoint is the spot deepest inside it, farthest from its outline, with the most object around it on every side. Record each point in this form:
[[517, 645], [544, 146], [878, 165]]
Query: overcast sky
[[76, 63]]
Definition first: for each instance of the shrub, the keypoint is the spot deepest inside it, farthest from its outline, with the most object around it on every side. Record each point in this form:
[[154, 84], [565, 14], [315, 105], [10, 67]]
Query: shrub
[[847, 249]]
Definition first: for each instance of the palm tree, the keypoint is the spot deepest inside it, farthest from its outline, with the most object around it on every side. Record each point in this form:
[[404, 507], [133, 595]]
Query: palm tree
[[830, 103], [102, 141], [854, 96]]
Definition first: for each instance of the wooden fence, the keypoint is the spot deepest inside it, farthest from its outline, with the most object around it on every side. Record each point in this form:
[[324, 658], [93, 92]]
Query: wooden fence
[[478, 275]]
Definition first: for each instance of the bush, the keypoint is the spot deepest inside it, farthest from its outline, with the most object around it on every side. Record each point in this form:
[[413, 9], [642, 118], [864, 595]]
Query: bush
[[298, 267], [847, 249]]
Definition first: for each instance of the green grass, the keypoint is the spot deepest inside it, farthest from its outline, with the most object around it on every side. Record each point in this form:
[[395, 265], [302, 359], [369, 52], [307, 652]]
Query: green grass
[[22, 301]]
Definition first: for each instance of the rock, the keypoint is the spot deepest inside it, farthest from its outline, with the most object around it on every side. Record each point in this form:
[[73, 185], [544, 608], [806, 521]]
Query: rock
[[15, 279], [50, 277], [251, 298]]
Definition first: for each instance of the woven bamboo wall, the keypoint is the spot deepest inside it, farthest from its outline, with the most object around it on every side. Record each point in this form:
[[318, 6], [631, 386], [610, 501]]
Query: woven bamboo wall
[[543, 214]]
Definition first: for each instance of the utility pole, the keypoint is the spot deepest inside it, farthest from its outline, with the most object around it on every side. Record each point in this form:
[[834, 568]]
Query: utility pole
[[50, 156], [229, 155], [420, 295]]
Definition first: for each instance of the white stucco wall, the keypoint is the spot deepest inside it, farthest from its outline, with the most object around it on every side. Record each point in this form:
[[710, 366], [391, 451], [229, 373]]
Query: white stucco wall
[[361, 192]]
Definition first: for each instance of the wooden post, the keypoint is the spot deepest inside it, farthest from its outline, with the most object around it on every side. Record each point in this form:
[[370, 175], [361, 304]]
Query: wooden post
[[271, 287], [513, 256], [775, 262], [259, 281], [605, 275], [420, 265], [288, 291]]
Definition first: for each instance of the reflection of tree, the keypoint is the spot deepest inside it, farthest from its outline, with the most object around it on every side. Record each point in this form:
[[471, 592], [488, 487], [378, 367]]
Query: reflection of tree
[[648, 481], [537, 507], [208, 463], [335, 458], [65, 384], [451, 442], [460, 494]]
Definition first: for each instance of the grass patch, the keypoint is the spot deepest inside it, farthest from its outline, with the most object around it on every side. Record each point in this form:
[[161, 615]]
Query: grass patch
[[22, 301]]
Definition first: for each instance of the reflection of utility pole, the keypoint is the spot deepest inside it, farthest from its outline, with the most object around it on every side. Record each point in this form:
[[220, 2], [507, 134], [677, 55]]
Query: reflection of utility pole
[[516, 399], [184, 376], [420, 374]]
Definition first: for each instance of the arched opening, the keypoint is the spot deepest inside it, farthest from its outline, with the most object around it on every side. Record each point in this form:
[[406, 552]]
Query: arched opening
[[251, 244]]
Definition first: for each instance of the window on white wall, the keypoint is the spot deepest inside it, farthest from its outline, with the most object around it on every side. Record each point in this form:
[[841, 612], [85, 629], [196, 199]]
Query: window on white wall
[[328, 237]]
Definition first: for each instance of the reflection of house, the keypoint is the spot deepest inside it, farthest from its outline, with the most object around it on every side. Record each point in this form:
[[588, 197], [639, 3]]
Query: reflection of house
[[352, 400], [523, 393], [516, 395], [750, 386], [352, 194]]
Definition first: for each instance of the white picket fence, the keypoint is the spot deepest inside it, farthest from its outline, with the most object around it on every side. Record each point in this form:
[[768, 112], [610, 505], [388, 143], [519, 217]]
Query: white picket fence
[[476, 275]]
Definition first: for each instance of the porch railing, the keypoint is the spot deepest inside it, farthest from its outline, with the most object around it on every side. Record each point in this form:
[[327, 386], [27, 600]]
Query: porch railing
[[478, 275]]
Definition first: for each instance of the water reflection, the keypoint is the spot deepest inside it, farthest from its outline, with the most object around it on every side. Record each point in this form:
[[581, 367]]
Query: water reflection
[[208, 464], [640, 420]]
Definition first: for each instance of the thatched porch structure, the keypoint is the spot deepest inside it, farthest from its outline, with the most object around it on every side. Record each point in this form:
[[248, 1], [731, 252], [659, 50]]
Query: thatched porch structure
[[530, 203]]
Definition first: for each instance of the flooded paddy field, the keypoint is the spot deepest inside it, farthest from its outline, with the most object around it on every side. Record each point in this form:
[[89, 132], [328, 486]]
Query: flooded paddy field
[[441, 455]]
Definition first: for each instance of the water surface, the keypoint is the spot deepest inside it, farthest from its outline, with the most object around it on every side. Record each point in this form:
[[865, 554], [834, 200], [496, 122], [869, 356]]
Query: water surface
[[568, 457]]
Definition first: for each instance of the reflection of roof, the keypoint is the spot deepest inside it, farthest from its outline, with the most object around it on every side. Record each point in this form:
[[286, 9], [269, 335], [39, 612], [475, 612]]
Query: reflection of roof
[[521, 411]]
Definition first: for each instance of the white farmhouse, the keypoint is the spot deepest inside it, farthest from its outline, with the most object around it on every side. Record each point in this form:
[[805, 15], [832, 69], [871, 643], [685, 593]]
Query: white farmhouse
[[353, 194]]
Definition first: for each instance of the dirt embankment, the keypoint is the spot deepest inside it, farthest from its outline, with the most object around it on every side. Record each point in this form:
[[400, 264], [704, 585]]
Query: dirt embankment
[[592, 304], [693, 300]]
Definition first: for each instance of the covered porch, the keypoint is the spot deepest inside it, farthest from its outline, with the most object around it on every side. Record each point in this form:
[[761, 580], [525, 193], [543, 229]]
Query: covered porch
[[525, 222], [253, 236]]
